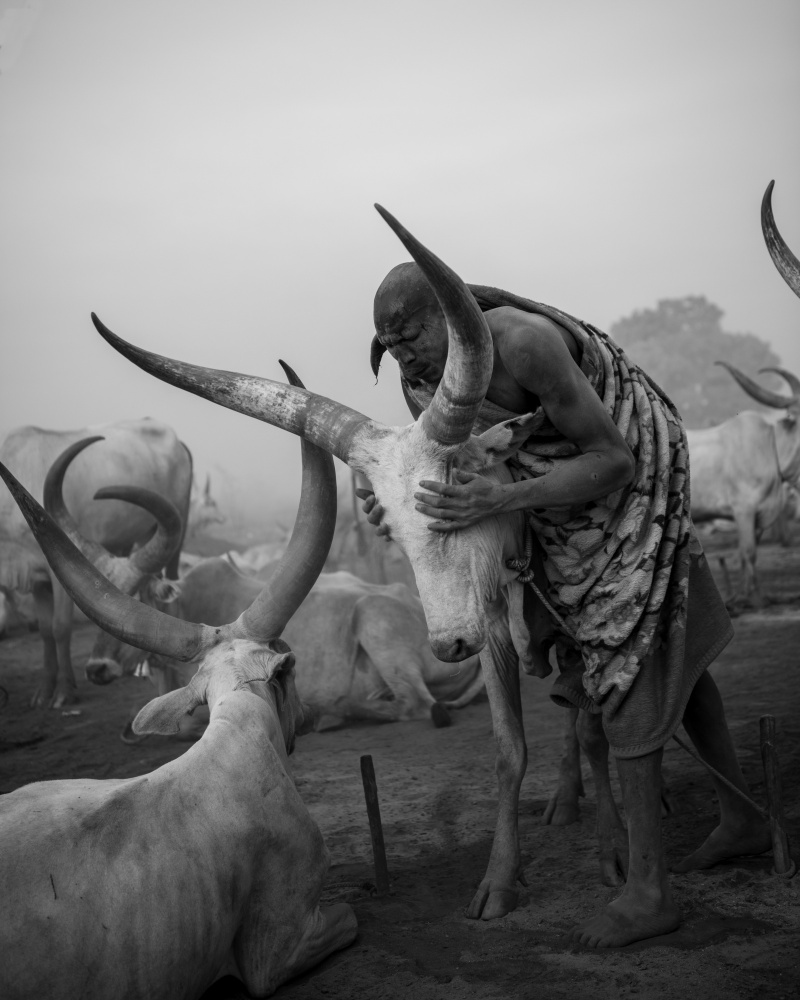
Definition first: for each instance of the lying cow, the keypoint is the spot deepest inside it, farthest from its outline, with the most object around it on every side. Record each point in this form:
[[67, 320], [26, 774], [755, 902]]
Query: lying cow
[[362, 648], [153, 887]]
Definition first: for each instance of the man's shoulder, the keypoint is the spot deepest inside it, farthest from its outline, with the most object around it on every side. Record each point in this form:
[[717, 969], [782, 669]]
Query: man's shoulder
[[529, 337]]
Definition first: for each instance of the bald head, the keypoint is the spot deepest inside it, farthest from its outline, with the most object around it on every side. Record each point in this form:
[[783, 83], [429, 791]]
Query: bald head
[[402, 293]]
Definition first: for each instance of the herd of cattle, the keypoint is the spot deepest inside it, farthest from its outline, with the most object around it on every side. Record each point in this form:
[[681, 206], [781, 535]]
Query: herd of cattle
[[238, 888]]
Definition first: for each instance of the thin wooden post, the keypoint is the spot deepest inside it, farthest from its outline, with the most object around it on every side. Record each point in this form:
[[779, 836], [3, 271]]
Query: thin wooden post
[[783, 864], [375, 828]]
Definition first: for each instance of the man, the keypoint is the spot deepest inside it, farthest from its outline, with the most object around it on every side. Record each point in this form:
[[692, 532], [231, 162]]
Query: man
[[604, 482]]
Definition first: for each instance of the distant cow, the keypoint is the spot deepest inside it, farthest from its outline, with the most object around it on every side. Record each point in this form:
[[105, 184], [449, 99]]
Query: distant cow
[[362, 649], [734, 465], [153, 887], [736, 475], [141, 453]]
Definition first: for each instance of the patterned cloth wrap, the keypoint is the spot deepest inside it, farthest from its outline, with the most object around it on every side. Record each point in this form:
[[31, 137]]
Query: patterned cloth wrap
[[619, 572]]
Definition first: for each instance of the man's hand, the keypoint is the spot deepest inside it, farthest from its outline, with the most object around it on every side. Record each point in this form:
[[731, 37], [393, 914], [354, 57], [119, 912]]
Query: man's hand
[[372, 509], [457, 505]]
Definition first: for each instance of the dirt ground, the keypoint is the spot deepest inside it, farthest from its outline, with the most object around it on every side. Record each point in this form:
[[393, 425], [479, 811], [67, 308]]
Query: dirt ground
[[741, 932]]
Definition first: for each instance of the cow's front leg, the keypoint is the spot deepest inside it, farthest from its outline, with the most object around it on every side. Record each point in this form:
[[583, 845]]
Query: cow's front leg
[[497, 894]]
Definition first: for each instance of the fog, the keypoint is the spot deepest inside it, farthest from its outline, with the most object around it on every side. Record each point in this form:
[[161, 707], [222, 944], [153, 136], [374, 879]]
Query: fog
[[202, 176]]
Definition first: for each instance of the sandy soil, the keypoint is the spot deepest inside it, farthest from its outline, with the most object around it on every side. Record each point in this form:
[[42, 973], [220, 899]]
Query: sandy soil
[[741, 933]]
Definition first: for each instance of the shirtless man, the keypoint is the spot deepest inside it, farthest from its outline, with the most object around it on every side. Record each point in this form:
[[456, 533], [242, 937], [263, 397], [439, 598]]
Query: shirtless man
[[550, 363]]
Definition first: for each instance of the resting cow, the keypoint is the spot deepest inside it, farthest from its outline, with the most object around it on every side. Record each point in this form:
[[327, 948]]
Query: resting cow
[[152, 887], [361, 648], [142, 453]]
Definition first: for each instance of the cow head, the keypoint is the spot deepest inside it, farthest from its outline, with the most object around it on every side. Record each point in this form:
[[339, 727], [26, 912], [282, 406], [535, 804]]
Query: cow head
[[458, 573], [138, 573], [245, 655]]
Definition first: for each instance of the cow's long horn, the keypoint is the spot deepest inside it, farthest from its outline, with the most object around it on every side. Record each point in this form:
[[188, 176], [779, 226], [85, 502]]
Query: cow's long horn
[[99, 556], [468, 369], [789, 377], [758, 392], [322, 421], [125, 573], [302, 562], [787, 264], [117, 613]]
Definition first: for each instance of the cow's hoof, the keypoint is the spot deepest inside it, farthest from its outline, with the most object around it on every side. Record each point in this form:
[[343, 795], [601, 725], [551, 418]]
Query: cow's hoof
[[562, 810], [489, 902], [440, 716], [129, 736], [66, 695]]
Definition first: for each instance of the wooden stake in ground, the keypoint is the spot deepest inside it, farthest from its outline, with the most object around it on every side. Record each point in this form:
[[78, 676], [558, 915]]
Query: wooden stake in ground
[[375, 828], [783, 864]]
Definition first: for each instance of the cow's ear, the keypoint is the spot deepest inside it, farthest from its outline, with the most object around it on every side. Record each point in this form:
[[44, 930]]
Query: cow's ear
[[278, 660], [162, 715], [503, 440]]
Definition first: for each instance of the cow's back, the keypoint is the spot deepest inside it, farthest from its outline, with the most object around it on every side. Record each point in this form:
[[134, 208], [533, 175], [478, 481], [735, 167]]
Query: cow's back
[[96, 875], [143, 453], [735, 465]]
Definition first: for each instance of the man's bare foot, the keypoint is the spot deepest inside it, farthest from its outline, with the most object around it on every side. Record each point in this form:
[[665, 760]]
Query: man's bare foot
[[752, 837], [631, 917]]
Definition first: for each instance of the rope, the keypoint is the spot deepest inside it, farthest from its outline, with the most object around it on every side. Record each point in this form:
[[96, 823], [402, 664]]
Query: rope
[[729, 784]]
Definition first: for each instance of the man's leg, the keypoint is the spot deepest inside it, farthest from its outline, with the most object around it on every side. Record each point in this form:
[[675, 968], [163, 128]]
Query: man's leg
[[645, 908], [741, 830]]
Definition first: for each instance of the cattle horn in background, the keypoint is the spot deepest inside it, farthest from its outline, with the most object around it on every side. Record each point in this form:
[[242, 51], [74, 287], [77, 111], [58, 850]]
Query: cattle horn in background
[[792, 380], [787, 264], [141, 625], [126, 572], [758, 392]]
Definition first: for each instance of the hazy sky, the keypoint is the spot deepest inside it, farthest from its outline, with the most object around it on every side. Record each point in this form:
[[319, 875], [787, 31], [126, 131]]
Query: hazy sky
[[202, 176]]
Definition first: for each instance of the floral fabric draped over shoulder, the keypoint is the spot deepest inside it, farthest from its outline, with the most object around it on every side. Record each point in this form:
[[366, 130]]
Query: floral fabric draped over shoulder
[[617, 569]]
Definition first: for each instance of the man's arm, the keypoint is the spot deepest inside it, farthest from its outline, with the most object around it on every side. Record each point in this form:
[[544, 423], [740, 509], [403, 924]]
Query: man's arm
[[535, 355]]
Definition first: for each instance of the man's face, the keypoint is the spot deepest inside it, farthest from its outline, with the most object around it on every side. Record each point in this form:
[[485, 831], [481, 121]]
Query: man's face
[[418, 343]]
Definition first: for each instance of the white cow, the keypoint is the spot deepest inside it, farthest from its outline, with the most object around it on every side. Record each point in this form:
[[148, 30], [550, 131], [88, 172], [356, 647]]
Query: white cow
[[736, 475], [142, 453], [467, 579], [153, 887]]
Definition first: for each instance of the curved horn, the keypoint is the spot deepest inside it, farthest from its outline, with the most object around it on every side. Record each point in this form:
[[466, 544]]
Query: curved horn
[[789, 377], [321, 421], [787, 264], [376, 352], [117, 613], [54, 504], [757, 391], [302, 562], [468, 368], [125, 573], [162, 546]]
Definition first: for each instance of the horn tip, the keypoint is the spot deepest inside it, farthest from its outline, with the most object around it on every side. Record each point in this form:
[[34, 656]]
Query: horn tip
[[291, 374], [389, 219]]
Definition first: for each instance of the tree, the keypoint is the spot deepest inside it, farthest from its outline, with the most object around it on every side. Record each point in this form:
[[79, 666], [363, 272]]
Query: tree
[[677, 344]]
